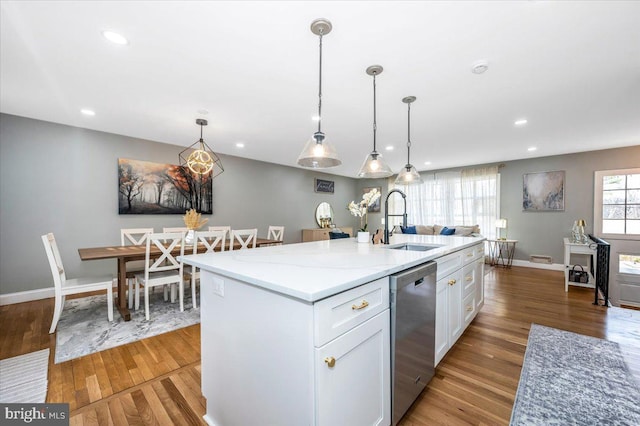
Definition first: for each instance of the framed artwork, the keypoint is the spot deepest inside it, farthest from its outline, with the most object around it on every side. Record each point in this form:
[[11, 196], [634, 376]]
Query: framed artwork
[[321, 185], [543, 191], [375, 207], [154, 188]]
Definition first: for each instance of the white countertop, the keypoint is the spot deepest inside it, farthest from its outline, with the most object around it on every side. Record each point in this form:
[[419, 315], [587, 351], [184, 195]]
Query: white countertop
[[316, 270]]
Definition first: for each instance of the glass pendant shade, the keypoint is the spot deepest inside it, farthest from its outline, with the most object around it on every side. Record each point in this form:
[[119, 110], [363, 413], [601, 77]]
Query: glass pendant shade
[[318, 153], [374, 167], [408, 176], [199, 158]]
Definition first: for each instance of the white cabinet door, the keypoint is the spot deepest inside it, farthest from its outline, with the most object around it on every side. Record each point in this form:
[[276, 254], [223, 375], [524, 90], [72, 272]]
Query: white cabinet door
[[479, 283], [454, 305], [449, 315], [442, 324], [353, 379]]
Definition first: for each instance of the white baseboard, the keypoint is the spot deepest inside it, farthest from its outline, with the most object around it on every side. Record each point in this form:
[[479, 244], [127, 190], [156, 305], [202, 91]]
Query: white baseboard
[[527, 264], [26, 296]]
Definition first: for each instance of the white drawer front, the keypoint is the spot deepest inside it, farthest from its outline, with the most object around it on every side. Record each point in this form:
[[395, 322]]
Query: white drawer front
[[469, 279], [448, 264], [340, 313], [469, 254], [469, 308]]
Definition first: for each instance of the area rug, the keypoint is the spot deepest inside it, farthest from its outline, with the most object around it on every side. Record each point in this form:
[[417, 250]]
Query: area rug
[[23, 379], [84, 329], [571, 379]]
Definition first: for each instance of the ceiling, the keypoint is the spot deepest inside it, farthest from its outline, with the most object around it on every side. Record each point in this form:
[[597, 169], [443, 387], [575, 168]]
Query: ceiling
[[572, 69]]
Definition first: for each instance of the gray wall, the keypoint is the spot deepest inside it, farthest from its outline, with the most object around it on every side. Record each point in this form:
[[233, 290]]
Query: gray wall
[[542, 232], [61, 179]]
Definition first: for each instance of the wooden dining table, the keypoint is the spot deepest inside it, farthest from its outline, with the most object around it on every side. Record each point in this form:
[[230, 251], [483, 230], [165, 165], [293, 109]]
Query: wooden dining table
[[126, 254]]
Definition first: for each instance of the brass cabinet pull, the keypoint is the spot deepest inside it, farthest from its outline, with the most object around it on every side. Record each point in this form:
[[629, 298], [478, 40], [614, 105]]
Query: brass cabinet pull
[[331, 361], [452, 282], [469, 308], [469, 278], [469, 254], [363, 305]]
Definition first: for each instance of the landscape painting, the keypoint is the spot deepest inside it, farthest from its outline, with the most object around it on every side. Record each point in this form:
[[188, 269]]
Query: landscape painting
[[543, 191], [154, 188]]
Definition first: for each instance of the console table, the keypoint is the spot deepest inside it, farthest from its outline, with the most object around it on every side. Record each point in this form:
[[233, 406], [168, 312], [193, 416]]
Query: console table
[[570, 248], [319, 234], [501, 252]]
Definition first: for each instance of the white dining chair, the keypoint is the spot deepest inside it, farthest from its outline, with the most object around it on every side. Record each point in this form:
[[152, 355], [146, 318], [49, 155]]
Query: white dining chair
[[64, 286], [275, 233], [246, 238], [136, 237], [227, 229], [164, 269], [210, 240]]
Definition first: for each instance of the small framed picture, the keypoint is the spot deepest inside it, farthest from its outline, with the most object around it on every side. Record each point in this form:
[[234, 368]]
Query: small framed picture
[[375, 207], [321, 185]]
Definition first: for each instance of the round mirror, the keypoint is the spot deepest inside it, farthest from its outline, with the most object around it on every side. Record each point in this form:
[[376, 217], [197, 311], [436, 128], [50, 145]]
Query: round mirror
[[324, 215]]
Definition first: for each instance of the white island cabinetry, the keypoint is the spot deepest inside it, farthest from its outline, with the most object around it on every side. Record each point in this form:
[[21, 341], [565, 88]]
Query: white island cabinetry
[[299, 334], [268, 359], [459, 295]]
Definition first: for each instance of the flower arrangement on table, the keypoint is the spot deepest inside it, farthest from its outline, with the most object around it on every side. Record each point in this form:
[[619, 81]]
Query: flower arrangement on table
[[360, 209], [192, 222]]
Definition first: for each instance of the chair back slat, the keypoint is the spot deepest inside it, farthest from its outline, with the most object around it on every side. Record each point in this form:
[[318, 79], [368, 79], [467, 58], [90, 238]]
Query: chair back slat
[[246, 238], [210, 240], [134, 236], [226, 229], [166, 261], [275, 233], [55, 261]]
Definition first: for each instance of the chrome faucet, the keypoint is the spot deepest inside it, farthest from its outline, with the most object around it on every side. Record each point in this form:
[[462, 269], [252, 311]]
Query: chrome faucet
[[386, 214]]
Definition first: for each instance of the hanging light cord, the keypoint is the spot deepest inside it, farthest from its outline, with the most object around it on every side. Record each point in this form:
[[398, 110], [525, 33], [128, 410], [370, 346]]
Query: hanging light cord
[[320, 87], [408, 132], [375, 126]]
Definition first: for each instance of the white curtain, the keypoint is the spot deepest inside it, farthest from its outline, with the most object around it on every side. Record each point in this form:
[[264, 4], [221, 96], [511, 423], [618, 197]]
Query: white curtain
[[468, 197]]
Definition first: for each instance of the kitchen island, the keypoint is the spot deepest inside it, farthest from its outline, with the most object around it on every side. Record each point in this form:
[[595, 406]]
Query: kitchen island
[[299, 333]]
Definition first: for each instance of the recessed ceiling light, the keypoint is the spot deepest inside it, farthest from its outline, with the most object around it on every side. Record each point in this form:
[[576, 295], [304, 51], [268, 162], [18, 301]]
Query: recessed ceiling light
[[520, 122], [427, 163], [202, 111], [240, 145], [115, 37], [316, 118], [389, 148], [531, 148], [88, 112], [480, 67]]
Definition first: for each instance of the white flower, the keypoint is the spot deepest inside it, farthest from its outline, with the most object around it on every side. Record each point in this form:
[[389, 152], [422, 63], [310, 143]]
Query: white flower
[[360, 209]]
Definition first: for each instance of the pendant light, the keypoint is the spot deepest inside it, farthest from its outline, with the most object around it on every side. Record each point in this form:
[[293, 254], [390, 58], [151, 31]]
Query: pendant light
[[199, 158], [318, 153], [374, 166], [408, 175]]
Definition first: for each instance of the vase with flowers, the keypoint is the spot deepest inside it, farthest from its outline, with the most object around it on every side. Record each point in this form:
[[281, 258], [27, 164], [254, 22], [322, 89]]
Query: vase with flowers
[[193, 222], [361, 209]]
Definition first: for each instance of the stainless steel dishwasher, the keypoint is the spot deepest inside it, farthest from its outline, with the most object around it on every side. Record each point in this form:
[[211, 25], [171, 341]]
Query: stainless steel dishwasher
[[413, 322]]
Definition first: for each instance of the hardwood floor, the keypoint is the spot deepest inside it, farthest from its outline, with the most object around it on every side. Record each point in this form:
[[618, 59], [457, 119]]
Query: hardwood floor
[[157, 380]]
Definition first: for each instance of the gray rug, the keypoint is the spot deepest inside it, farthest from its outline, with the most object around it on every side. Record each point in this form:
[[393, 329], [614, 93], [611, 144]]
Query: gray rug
[[571, 379], [23, 379], [84, 328]]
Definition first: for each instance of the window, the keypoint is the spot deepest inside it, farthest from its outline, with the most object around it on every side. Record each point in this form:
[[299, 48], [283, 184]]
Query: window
[[470, 197], [617, 203]]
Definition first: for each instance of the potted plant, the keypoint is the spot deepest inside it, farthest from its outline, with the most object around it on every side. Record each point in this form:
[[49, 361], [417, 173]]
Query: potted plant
[[360, 210]]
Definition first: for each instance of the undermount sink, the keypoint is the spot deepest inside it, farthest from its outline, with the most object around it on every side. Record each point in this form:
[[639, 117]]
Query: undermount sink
[[414, 247]]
